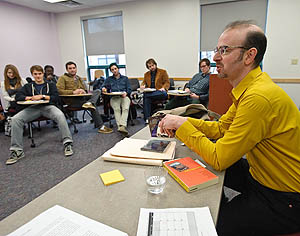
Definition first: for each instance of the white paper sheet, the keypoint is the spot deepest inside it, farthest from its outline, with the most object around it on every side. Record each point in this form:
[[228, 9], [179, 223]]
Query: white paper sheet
[[59, 221], [177, 221]]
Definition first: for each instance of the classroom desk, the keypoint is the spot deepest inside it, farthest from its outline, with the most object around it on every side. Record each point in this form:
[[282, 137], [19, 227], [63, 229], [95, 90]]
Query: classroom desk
[[30, 102], [77, 95], [178, 93], [117, 205]]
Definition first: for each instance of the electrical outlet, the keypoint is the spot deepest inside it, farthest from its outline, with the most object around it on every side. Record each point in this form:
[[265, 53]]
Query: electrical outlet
[[294, 61]]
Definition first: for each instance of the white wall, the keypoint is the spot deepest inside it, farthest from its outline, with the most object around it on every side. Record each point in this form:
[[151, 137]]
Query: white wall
[[167, 30], [28, 37], [283, 35]]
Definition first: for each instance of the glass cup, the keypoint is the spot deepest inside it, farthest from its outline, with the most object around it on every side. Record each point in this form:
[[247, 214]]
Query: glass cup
[[156, 179]]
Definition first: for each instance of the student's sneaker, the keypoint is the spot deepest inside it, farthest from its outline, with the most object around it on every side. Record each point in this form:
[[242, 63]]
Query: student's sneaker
[[68, 149], [14, 157], [123, 129], [105, 130], [88, 105]]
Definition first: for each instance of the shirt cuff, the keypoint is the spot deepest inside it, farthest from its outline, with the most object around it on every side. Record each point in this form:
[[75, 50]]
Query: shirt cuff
[[186, 130]]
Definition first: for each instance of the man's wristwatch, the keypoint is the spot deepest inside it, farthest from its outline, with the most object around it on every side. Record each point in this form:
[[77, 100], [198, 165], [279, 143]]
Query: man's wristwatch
[[44, 97]]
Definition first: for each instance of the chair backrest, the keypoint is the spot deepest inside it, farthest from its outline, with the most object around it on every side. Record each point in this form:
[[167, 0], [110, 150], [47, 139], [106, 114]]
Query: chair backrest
[[134, 83], [99, 73], [172, 84]]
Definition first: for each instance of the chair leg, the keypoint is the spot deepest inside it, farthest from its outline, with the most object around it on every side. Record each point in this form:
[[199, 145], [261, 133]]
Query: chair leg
[[83, 119], [31, 135], [74, 125]]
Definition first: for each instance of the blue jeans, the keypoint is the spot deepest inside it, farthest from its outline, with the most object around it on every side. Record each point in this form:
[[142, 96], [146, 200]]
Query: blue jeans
[[31, 113], [149, 98]]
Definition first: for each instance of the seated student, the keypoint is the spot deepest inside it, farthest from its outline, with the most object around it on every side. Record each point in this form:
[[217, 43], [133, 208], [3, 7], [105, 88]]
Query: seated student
[[37, 90], [154, 78], [10, 86], [198, 86], [49, 74], [120, 104], [264, 123], [69, 84]]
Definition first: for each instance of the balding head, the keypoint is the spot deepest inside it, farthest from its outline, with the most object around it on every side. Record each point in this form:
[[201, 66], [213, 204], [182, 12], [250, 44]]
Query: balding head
[[253, 35]]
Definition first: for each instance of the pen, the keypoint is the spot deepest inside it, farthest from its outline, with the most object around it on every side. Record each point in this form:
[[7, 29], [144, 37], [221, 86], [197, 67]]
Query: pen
[[150, 224]]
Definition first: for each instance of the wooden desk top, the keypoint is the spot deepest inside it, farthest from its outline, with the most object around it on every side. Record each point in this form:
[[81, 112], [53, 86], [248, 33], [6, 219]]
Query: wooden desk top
[[179, 93], [146, 90], [113, 93], [30, 102], [77, 95], [117, 205]]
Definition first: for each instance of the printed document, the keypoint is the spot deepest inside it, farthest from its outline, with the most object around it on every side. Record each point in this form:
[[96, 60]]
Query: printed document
[[176, 221], [59, 221]]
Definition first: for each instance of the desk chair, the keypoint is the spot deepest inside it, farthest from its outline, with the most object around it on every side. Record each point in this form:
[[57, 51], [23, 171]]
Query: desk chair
[[69, 108], [158, 105], [30, 128], [132, 114], [135, 96]]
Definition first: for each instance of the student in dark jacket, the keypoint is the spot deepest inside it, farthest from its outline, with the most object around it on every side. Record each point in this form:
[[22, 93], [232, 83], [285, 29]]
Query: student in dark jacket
[[35, 91]]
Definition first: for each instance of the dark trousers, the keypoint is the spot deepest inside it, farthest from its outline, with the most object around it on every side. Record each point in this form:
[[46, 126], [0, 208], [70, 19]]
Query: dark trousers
[[258, 210], [149, 98], [77, 102]]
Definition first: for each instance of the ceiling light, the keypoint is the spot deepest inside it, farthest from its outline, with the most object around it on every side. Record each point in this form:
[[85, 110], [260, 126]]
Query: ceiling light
[[54, 1]]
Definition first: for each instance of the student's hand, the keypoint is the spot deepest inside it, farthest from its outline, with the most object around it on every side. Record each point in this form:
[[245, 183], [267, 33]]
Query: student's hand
[[37, 97], [170, 123], [124, 95], [162, 89], [77, 91], [142, 87], [193, 95], [82, 91], [104, 90], [49, 77], [187, 90]]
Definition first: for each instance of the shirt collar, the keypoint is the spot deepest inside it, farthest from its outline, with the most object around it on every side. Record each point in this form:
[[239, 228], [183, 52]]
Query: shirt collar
[[251, 77]]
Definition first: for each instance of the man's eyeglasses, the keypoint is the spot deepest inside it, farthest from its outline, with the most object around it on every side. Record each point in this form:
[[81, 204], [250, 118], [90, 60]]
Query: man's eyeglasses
[[223, 49]]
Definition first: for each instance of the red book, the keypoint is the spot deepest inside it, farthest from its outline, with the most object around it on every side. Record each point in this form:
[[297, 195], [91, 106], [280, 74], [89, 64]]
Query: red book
[[190, 174]]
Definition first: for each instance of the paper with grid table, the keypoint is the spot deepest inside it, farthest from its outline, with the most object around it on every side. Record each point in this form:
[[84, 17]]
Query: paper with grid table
[[176, 221]]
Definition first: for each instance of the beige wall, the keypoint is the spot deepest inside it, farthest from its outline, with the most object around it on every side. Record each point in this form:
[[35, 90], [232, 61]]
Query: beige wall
[[283, 33], [167, 30]]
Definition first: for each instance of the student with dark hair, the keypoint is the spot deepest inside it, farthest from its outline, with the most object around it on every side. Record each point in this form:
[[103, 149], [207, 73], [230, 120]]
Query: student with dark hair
[[37, 90], [120, 104], [154, 78], [198, 87], [70, 83], [262, 123], [49, 74]]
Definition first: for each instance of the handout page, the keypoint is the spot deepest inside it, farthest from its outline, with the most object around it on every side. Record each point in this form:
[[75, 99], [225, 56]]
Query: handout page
[[176, 221], [61, 221]]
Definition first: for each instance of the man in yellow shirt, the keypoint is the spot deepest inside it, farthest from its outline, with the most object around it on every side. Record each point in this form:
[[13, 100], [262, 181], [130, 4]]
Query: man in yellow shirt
[[263, 123]]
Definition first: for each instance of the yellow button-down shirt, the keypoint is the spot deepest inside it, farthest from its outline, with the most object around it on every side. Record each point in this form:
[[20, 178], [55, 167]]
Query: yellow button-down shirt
[[263, 123]]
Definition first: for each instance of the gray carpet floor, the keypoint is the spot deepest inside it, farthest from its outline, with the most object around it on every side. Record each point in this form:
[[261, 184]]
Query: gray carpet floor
[[45, 165]]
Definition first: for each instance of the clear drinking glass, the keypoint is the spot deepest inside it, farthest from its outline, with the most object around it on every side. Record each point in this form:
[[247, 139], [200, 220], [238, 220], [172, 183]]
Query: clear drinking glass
[[156, 179]]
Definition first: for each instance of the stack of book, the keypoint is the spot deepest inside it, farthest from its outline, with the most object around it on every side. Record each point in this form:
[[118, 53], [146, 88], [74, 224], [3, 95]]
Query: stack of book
[[140, 151]]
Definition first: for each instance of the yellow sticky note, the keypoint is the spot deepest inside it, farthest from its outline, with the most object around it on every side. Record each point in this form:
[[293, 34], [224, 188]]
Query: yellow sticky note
[[111, 177]]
